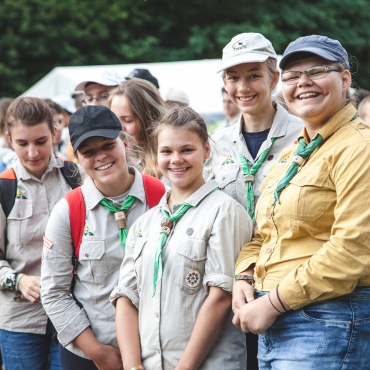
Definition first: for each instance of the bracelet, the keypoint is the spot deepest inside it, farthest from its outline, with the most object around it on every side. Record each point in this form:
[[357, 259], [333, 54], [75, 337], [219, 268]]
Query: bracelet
[[268, 294], [277, 293], [17, 281], [137, 367], [247, 278]]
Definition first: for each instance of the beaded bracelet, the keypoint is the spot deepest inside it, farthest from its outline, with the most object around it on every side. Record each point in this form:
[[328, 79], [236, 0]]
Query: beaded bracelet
[[137, 367], [17, 282]]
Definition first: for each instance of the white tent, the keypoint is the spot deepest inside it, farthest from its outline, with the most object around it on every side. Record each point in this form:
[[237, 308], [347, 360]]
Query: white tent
[[198, 79]]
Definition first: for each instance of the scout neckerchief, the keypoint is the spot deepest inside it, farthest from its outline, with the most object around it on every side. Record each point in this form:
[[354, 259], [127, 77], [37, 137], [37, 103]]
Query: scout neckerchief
[[302, 152], [249, 177], [120, 217], [166, 226]]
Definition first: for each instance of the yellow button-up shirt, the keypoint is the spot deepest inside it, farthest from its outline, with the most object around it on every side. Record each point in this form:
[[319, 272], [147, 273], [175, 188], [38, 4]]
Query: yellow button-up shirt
[[315, 243]]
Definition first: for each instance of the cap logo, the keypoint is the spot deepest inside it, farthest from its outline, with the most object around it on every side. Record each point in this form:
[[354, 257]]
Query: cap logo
[[241, 44]]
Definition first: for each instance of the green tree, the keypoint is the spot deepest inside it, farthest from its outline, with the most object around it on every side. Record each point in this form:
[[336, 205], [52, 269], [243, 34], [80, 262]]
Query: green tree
[[38, 35]]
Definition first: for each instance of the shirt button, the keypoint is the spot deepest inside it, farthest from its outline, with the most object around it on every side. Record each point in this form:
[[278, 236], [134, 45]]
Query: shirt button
[[268, 250], [46, 213], [361, 127], [189, 231], [223, 178], [270, 157], [157, 315], [18, 215], [259, 280], [268, 215], [86, 255], [194, 256], [159, 351]]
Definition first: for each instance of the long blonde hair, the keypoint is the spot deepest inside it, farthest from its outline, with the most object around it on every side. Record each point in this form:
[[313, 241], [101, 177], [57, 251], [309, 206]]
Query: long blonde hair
[[147, 106]]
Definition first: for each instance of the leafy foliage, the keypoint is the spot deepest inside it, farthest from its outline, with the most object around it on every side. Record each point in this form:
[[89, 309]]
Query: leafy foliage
[[38, 35]]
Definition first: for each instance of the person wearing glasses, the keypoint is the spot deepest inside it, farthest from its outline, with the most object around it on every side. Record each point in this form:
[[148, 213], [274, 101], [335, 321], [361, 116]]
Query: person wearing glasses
[[245, 151], [310, 257], [97, 89]]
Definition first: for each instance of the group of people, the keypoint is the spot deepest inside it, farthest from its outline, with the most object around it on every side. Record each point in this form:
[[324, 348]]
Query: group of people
[[158, 247]]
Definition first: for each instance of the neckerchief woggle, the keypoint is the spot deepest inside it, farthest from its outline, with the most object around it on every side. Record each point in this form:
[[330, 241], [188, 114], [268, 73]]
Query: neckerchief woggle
[[249, 177], [120, 216], [166, 226]]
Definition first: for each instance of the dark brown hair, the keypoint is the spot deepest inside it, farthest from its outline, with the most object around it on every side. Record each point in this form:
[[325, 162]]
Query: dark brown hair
[[30, 112], [182, 117], [147, 106], [4, 105], [55, 108]]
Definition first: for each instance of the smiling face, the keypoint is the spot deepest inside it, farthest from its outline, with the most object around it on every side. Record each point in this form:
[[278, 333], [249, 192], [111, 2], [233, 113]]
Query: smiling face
[[122, 109], [181, 154], [316, 101], [249, 86], [104, 160], [33, 146]]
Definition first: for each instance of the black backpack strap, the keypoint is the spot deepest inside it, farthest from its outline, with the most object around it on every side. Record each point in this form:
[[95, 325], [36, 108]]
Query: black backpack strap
[[71, 173], [8, 192]]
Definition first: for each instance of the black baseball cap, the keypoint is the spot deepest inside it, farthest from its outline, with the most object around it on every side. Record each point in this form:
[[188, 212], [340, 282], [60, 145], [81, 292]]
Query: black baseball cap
[[143, 74], [322, 46], [93, 120]]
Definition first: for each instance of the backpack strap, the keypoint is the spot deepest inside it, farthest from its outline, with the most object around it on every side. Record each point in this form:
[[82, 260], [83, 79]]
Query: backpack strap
[[8, 190], [71, 173], [77, 216], [154, 190]]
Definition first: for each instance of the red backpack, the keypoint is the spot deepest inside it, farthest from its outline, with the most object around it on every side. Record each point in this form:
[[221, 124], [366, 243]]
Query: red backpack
[[154, 191]]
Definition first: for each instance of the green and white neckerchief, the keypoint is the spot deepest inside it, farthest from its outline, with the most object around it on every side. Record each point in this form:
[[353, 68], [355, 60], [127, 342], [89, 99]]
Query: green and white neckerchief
[[120, 216], [249, 177], [166, 226], [302, 152]]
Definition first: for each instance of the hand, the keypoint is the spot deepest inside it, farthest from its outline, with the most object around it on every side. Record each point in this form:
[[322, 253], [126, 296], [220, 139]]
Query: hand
[[30, 287], [256, 316], [243, 293], [108, 358]]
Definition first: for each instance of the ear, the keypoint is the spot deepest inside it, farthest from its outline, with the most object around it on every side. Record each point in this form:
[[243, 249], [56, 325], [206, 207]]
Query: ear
[[127, 148], [207, 150], [53, 135], [346, 80], [275, 79], [9, 139], [224, 80]]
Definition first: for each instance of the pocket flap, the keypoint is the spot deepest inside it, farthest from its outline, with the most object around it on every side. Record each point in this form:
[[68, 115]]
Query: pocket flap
[[139, 245], [92, 250], [21, 210], [226, 175], [194, 249], [314, 178]]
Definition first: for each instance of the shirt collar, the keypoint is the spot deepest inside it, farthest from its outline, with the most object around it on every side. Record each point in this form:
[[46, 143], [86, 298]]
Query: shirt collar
[[93, 196], [194, 199], [25, 175], [334, 123]]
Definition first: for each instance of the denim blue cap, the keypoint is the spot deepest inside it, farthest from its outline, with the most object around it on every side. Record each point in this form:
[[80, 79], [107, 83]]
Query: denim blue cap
[[315, 44]]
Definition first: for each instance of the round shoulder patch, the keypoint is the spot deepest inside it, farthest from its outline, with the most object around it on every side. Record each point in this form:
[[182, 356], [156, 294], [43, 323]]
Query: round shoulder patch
[[192, 278]]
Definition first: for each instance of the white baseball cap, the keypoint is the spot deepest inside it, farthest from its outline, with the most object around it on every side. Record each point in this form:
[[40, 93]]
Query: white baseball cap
[[66, 102], [246, 48], [108, 78], [173, 94]]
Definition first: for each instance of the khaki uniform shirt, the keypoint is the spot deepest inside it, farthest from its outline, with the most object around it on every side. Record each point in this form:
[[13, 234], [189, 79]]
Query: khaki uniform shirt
[[100, 257], [224, 165], [21, 240], [199, 253], [316, 241]]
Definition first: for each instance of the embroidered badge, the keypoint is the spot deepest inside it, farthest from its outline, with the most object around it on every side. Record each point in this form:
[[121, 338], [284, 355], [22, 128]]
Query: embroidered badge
[[229, 160], [192, 278], [47, 243], [139, 234], [19, 195], [283, 162], [87, 234]]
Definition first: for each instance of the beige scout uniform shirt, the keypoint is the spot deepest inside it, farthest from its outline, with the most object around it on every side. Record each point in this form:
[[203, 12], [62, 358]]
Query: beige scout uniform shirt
[[100, 257], [316, 242], [224, 165], [21, 240], [199, 252]]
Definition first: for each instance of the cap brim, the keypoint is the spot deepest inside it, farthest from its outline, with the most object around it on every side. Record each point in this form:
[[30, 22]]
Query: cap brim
[[321, 53], [81, 85], [244, 58], [102, 132]]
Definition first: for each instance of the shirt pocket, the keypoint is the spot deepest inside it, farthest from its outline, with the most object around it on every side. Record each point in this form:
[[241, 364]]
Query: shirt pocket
[[308, 195], [190, 267], [226, 178], [92, 264], [20, 223], [138, 261]]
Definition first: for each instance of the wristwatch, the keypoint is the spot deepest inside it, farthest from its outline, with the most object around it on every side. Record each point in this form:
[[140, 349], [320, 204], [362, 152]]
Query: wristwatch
[[10, 281], [248, 279]]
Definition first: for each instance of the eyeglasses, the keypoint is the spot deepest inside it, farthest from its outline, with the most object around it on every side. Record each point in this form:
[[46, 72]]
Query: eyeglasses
[[89, 101], [313, 73]]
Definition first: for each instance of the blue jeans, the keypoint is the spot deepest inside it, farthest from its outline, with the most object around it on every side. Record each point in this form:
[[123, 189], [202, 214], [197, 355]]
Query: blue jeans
[[331, 335], [23, 351]]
